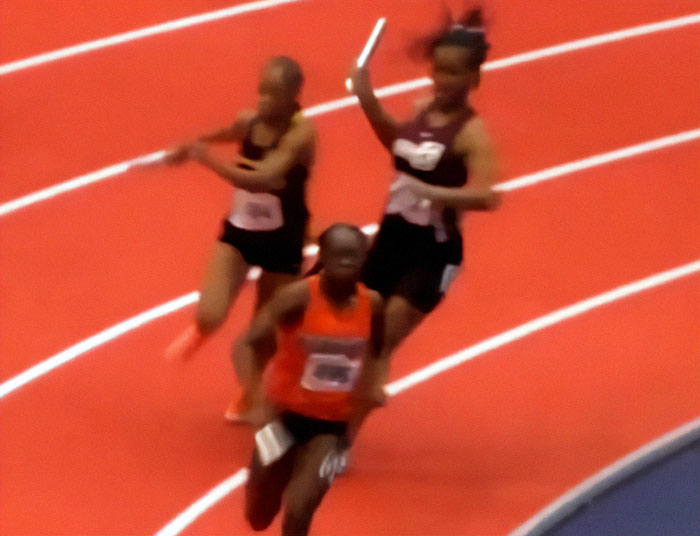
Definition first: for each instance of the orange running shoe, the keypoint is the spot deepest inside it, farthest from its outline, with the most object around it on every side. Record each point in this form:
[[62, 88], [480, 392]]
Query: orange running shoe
[[186, 344], [238, 410]]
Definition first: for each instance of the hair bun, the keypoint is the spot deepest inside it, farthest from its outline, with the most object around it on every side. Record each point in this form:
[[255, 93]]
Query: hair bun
[[473, 19]]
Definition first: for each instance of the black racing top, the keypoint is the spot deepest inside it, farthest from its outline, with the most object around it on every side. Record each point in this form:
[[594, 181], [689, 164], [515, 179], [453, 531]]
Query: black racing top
[[292, 196]]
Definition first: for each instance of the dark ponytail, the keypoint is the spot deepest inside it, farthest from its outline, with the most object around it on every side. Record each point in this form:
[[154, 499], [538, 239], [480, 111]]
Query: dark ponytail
[[468, 31]]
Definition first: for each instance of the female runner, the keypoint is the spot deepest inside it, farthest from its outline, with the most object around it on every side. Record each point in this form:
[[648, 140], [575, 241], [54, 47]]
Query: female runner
[[267, 224], [311, 368], [445, 165]]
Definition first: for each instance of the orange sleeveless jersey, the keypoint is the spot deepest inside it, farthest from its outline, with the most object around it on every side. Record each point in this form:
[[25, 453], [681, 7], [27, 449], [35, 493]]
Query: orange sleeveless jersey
[[319, 360]]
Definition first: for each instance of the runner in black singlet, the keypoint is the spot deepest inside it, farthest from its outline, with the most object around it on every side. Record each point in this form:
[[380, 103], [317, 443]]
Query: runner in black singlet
[[445, 165], [267, 224]]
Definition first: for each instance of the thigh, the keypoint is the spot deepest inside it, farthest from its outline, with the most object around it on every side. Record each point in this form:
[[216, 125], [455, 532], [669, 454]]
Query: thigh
[[224, 275], [315, 468], [265, 487], [268, 284], [386, 262], [280, 252], [400, 319]]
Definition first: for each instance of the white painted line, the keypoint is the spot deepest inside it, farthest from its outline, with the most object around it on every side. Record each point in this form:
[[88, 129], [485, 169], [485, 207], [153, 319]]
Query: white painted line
[[597, 40], [96, 340], [598, 160], [370, 229], [383, 92], [201, 505], [538, 324], [77, 182], [512, 184], [133, 35], [603, 475]]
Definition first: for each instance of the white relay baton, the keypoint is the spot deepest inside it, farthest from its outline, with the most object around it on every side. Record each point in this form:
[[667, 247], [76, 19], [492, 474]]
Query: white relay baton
[[370, 47]]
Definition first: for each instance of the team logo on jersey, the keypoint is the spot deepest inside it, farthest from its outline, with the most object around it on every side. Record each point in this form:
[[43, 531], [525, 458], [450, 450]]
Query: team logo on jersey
[[423, 156]]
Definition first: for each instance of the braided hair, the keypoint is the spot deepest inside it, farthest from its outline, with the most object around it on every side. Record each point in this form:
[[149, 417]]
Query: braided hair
[[468, 32]]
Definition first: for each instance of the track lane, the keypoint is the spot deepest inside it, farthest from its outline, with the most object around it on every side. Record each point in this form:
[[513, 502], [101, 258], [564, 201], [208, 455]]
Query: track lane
[[145, 344], [128, 231], [480, 448], [122, 413]]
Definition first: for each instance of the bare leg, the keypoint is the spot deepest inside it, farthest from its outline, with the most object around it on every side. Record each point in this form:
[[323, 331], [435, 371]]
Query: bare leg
[[268, 284], [239, 411], [224, 276], [400, 319], [264, 489], [314, 470]]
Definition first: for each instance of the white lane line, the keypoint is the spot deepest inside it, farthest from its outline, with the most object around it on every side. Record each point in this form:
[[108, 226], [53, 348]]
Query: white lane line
[[133, 35], [96, 340], [519, 332], [201, 505], [620, 465], [588, 42], [383, 92], [513, 184], [77, 182], [599, 160]]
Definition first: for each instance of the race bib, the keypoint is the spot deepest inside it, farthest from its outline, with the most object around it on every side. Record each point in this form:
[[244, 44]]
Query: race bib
[[402, 201], [256, 211], [331, 373], [332, 365]]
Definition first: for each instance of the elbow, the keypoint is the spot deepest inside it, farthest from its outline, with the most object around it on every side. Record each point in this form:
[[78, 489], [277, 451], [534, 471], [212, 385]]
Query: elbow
[[484, 201]]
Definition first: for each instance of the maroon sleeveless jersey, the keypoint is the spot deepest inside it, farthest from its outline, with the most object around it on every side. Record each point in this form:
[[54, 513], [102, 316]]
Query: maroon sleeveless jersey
[[426, 153]]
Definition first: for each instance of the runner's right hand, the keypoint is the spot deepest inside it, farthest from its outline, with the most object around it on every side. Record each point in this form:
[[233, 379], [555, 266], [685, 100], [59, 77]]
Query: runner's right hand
[[361, 84], [177, 155]]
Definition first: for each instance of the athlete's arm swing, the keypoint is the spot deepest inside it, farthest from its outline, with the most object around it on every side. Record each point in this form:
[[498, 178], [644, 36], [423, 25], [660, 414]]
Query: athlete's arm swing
[[475, 144], [267, 174], [382, 123]]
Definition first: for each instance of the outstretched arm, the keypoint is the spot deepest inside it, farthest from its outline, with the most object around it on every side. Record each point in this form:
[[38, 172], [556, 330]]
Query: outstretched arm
[[233, 133], [296, 146], [382, 123]]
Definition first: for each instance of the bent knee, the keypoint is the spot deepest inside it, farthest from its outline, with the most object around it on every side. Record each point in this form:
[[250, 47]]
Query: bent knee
[[209, 319], [393, 337], [258, 520], [296, 524]]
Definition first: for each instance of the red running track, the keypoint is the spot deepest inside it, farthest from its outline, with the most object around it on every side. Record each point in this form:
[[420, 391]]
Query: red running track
[[119, 441]]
